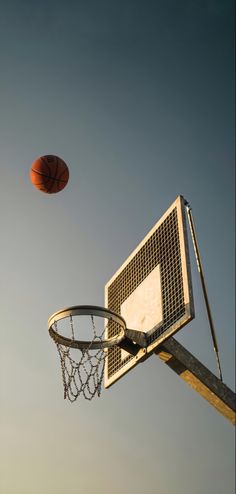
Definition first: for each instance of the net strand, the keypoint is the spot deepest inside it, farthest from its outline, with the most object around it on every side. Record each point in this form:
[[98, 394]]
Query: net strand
[[84, 376]]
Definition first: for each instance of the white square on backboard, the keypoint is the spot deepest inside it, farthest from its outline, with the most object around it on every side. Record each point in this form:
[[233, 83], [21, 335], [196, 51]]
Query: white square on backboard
[[142, 310]]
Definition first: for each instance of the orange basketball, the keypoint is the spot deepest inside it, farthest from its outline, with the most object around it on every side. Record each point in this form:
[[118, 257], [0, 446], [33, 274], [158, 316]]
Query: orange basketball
[[49, 174]]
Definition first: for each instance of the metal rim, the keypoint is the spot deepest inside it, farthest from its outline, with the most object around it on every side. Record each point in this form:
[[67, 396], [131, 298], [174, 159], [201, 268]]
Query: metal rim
[[89, 310]]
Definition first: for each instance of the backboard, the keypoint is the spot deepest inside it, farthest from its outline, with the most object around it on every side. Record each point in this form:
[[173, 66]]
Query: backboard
[[152, 290]]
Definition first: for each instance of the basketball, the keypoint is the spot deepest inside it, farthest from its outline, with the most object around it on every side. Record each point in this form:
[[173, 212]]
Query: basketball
[[49, 174]]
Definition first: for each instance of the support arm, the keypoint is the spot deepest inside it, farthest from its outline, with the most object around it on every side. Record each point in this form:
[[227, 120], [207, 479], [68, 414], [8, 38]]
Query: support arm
[[194, 373]]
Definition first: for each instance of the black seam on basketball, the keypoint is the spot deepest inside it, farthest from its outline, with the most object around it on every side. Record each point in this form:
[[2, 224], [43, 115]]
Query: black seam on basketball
[[41, 183], [50, 177], [58, 182], [56, 170], [47, 165], [54, 179], [43, 176], [62, 173], [51, 186]]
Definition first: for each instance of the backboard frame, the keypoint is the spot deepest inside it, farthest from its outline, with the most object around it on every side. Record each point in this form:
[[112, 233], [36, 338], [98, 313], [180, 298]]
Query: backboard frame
[[166, 246]]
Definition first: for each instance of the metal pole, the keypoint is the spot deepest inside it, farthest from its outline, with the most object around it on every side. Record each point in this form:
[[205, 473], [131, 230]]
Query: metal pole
[[196, 375], [200, 270]]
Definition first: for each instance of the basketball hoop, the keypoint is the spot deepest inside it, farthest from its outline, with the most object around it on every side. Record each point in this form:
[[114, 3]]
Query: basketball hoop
[[82, 372]]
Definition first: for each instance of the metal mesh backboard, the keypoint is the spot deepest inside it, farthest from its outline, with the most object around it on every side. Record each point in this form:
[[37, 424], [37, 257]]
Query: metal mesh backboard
[[152, 290]]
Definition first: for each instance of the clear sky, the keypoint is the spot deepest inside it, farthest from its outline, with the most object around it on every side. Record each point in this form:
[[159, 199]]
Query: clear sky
[[138, 98]]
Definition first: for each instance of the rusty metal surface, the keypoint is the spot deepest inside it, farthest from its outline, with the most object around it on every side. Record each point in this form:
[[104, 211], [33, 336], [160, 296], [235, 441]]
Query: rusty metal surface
[[194, 373]]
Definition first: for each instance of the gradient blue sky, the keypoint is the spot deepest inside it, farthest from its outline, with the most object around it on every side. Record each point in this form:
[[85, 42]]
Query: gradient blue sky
[[138, 98]]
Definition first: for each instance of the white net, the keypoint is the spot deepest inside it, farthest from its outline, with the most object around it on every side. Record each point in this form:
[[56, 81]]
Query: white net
[[82, 369]]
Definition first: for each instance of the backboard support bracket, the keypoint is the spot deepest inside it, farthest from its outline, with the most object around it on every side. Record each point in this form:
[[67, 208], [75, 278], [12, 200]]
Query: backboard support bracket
[[129, 346], [138, 337], [133, 342], [203, 284]]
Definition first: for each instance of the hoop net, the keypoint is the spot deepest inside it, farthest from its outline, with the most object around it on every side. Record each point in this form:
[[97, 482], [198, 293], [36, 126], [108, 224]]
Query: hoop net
[[82, 362], [84, 376]]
